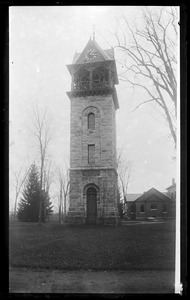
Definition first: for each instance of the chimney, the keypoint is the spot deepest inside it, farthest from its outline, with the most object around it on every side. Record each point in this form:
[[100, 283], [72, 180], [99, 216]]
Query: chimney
[[173, 181]]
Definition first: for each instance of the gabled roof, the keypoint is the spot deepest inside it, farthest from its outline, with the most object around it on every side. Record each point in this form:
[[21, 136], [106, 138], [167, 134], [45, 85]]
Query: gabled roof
[[109, 55], [132, 197], [152, 192], [76, 56], [171, 186], [102, 54], [166, 194]]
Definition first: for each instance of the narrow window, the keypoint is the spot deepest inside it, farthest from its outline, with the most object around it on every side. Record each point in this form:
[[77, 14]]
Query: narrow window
[[91, 153], [164, 208], [91, 121], [153, 206], [142, 208]]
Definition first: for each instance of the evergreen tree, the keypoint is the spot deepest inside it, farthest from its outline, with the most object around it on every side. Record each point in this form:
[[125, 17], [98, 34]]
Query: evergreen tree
[[49, 206], [28, 209]]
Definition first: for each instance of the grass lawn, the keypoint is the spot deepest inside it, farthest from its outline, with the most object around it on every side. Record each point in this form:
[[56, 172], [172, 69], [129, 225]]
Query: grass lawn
[[136, 247]]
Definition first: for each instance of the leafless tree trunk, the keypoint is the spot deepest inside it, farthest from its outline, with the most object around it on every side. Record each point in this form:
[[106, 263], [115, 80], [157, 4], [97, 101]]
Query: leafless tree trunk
[[48, 179], [151, 60], [64, 183], [41, 131], [124, 175], [66, 192], [61, 204]]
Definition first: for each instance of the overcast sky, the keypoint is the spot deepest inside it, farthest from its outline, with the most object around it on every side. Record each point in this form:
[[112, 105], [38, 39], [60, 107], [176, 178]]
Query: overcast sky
[[43, 41]]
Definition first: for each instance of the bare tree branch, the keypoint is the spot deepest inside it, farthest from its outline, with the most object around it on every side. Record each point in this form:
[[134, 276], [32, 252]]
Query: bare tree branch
[[20, 180], [150, 100], [124, 173], [151, 55], [64, 191], [42, 133]]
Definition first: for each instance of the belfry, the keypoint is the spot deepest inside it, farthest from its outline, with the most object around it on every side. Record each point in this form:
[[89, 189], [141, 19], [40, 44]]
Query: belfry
[[93, 174]]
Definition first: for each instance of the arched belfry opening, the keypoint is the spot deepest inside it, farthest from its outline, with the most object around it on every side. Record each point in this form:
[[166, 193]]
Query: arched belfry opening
[[100, 78], [81, 80], [93, 174]]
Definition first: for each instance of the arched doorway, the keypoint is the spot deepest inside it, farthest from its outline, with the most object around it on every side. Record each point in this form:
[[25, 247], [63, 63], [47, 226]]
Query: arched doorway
[[91, 205]]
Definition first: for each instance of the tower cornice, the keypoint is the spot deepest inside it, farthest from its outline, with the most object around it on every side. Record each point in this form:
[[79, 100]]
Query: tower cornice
[[95, 92]]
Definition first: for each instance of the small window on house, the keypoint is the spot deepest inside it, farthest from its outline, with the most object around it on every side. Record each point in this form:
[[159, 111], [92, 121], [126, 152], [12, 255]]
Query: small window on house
[[153, 206], [91, 121], [142, 208], [164, 208], [133, 208], [91, 153]]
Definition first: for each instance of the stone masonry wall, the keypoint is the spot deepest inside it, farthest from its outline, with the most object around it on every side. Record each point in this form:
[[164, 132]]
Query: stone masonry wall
[[105, 182], [101, 174], [103, 136]]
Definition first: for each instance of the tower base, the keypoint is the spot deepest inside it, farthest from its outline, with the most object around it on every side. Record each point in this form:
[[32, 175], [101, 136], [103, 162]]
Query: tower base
[[80, 218], [93, 197]]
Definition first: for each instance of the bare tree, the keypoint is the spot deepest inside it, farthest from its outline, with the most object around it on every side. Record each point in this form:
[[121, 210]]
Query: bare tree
[[150, 60], [41, 131], [124, 174], [60, 197], [64, 190], [20, 178], [48, 180]]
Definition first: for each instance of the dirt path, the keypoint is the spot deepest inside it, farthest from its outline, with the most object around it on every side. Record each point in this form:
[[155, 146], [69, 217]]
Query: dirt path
[[122, 282]]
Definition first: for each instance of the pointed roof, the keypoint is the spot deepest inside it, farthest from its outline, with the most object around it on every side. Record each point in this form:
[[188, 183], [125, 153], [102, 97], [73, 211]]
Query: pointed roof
[[132, 197], [93, 56], [76, 56], [102, 56], [151, 192], [107, 54]]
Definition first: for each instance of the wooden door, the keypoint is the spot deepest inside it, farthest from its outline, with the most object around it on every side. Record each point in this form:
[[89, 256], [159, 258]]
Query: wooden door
[[91, 205]]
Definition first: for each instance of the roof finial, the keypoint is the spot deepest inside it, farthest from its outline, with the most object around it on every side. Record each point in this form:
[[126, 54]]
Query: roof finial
[[93, 32]]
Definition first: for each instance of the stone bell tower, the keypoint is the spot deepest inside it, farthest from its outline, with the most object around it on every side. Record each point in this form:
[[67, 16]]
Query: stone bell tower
[[93, 176]]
